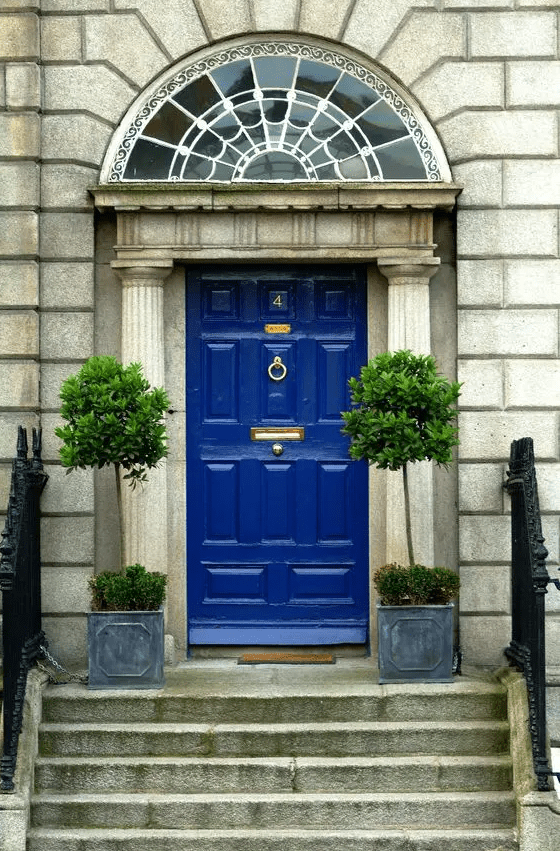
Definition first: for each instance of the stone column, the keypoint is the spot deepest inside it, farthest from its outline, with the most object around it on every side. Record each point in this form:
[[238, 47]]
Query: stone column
[[142, 340], [409, 328]]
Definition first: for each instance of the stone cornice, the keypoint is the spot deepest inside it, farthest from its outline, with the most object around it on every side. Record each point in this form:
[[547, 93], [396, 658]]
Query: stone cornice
[[243, 197]]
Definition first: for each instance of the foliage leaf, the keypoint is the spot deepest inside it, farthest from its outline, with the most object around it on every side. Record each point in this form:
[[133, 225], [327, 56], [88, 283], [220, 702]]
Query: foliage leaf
[[415, 585], [134, 590], [113, 417], [403, 412]]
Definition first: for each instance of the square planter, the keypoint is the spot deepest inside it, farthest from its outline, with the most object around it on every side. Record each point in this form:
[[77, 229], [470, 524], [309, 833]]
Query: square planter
[[126, 649], [415, 643]]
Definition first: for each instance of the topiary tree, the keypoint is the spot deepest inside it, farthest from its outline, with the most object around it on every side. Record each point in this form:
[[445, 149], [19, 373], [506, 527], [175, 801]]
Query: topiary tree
[[113, 418], [403, 413]]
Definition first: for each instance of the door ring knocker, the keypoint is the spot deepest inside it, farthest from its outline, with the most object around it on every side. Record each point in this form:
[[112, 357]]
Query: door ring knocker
[[277, 364]]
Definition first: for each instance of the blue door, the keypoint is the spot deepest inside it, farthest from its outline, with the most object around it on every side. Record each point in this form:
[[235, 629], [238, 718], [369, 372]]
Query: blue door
[[277, 512]]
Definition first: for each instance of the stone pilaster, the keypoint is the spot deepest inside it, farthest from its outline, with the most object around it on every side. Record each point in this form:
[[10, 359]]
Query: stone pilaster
[[409, 328], [145, 508]]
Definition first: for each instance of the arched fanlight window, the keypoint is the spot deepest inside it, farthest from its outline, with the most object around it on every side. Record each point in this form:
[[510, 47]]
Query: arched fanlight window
[[275, 112]]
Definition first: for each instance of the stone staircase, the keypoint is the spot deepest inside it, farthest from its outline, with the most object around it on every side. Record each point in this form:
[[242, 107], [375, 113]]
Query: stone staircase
[[237, 758]]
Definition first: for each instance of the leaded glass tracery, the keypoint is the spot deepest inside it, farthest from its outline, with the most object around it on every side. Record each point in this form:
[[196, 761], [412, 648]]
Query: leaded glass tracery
[[275, 112]]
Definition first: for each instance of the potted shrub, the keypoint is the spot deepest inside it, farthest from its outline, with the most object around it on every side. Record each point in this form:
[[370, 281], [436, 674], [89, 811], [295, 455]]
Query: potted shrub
[[415, 622], [125, 629], [403, 412], [115, 418]]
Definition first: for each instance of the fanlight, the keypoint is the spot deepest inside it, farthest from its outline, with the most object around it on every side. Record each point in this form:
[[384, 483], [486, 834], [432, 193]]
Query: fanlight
[[276, 112]]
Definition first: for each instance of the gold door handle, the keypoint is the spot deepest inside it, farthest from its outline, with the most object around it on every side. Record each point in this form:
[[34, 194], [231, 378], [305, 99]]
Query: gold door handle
[[277, 365]]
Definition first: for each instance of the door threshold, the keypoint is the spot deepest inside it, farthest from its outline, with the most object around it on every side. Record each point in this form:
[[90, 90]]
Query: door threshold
[[286, 657], [230, 651]]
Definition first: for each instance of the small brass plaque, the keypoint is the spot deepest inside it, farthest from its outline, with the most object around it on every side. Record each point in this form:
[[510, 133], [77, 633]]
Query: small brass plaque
[[277, 329], [278, 434]]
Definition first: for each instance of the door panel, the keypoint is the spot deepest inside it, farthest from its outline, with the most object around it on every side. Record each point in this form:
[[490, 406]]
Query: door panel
[[221, 367], [277, 544], [220, 491]]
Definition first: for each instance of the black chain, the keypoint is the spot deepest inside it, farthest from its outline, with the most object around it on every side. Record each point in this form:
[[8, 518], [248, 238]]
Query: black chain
[[60, 669]]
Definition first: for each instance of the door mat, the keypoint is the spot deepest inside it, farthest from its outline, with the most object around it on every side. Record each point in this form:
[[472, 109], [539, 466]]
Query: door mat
[[282, 658]]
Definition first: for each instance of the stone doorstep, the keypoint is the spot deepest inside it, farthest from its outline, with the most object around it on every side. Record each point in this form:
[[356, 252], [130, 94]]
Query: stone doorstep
[[328, 739], [350, 688], [219, 683], [62, 707], [216, 690], [312, 810], [470, 839], [273, 774]]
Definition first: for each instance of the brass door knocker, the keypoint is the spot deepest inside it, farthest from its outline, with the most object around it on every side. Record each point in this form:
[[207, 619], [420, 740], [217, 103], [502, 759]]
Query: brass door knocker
[[277, 365]]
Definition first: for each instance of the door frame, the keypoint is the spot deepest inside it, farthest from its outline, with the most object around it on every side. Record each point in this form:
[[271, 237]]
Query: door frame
[[387, 227]]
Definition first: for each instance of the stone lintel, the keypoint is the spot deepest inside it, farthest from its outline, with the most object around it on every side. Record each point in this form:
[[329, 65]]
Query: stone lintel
[[148, 256], [262, 196]]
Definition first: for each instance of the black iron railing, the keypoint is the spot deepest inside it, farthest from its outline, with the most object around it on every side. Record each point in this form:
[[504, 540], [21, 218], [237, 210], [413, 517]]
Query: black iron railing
[[20, 583], [529, 581]]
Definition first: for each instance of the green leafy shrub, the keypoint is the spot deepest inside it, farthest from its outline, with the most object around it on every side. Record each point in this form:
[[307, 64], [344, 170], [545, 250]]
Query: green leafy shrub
[[113, 417], [445, 585], [391, 582], [415, 585], [134, 590], [402, 413]]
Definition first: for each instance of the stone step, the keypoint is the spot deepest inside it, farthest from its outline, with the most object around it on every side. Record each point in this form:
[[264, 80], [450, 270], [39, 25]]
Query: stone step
[[307, 739], [469, 839], [273, 759], [274, 774], [439, 701], [320, 811]]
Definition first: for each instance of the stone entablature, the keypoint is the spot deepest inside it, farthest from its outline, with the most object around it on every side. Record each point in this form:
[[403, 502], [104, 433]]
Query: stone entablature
[[352, 223]]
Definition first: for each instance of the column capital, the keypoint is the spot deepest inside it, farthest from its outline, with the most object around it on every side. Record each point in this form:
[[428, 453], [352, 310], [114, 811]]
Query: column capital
[[138, 273], [399, 270]]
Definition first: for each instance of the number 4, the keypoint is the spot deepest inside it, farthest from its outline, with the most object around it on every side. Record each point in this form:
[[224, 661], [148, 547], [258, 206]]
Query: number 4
[[277, 301]]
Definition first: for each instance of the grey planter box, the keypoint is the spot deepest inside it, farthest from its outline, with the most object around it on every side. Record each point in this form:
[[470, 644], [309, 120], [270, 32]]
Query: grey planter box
[[415, 643], [125, 649]]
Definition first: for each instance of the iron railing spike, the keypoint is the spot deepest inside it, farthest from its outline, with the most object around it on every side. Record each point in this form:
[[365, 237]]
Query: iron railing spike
[[22, 447], [37, 448]]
